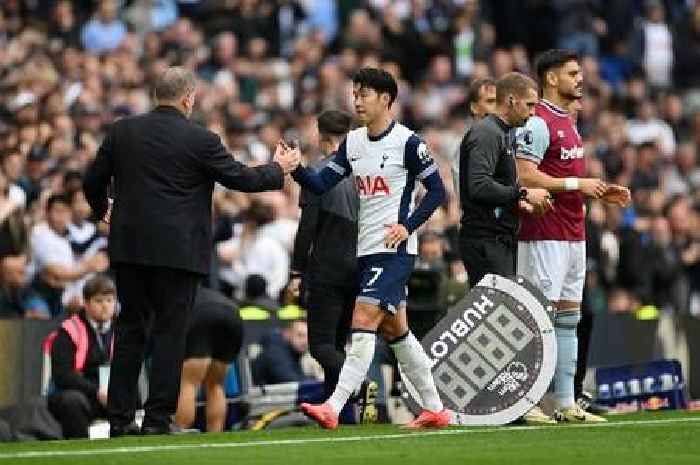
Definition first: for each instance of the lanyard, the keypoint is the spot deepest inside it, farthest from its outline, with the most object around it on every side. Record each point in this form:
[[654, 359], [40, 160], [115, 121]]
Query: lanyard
[[100, 342]]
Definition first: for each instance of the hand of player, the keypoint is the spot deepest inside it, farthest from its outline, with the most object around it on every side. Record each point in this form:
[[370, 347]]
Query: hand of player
[[540, 199], [592, 187], [287, 157], [395, 235], [619, 195]]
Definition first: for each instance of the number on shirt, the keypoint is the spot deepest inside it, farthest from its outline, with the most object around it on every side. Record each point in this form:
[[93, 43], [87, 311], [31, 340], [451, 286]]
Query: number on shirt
[[377, 273]]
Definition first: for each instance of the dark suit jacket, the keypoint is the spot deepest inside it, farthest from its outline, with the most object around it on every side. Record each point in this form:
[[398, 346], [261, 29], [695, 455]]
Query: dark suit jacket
[[164, 168]]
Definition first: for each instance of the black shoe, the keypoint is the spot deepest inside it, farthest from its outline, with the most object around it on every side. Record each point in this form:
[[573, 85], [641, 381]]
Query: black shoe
[[132, 429], [588, 403]]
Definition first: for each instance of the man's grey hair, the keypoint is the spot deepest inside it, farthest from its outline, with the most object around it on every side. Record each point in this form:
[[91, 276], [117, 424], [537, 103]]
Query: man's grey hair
[[175, 82]]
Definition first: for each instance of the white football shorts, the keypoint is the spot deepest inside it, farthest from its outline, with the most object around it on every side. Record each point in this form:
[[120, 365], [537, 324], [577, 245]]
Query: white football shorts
[[557, 268]]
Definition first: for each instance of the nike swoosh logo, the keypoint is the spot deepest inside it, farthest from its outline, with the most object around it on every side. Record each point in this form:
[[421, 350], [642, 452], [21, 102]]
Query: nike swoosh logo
[[369, 289], [354, 158]]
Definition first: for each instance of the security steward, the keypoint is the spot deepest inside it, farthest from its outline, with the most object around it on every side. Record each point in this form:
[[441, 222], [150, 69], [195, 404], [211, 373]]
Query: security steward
[[325, 256]]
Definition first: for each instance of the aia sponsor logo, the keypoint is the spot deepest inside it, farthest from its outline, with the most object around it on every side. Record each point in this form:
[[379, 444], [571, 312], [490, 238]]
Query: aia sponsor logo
[[368, 186], [571, 154]]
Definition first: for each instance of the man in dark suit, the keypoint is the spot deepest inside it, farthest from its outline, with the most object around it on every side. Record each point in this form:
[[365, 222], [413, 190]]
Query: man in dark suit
[[162, 168]]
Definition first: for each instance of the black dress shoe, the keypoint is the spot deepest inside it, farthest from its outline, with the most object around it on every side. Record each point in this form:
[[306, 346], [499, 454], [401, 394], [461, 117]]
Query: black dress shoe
[[132, 429]]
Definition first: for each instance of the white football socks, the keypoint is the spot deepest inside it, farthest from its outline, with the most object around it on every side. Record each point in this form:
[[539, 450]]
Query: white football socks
[[416, 367], [354, 369]]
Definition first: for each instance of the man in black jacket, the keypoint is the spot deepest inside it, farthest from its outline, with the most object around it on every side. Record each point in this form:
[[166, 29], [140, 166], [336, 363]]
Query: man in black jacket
[[163, 168], [325, 256], [81, 346], [489, 189]]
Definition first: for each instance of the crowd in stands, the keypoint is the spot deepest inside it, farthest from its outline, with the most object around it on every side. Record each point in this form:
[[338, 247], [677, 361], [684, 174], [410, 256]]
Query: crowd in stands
[[268, 67]]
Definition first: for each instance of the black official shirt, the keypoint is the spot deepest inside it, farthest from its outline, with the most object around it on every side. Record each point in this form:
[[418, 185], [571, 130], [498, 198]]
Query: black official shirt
[[488, 179], [325, 248]]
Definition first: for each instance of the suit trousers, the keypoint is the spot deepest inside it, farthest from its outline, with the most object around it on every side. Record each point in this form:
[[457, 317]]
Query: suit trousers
[[156, 304], [329, 316]]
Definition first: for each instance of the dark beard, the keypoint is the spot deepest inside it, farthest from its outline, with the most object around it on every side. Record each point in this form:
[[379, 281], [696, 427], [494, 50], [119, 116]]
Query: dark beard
[[570, 96]]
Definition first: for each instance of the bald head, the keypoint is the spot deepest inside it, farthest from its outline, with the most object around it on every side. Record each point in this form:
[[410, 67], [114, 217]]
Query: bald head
[[174, 84]]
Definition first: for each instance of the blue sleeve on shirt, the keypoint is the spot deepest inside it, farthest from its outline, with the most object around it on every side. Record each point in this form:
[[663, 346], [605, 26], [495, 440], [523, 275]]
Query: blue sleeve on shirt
[[532, 140], [420, 163], [324, 180]]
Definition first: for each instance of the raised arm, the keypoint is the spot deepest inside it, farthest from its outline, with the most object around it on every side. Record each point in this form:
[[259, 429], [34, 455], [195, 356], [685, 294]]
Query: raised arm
[[221, 165]]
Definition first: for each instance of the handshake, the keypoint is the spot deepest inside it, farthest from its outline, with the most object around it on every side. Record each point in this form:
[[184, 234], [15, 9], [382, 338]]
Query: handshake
[[287, 156]]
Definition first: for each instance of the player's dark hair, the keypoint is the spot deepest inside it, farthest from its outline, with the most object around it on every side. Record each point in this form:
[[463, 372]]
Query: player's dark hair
[[551, 59], [98, 285], [57, 198], [334, 122], [378, 80], [513, 84], [475, 88]]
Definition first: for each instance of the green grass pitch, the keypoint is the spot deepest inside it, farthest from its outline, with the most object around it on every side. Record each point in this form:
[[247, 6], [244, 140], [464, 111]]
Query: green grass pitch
[[643, 438]]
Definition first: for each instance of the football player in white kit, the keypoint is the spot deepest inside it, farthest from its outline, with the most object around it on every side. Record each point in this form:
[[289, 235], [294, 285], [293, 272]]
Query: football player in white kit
[[386, 159]]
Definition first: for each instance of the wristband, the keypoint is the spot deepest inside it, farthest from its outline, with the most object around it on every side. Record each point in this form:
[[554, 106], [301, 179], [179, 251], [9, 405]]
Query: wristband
[[570, 184]]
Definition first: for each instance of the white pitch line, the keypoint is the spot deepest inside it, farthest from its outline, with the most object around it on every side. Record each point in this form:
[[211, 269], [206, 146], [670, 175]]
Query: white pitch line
[[281, 442]]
